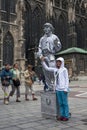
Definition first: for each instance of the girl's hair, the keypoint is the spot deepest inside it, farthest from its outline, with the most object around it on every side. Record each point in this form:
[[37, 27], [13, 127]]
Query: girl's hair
[[15, 64]]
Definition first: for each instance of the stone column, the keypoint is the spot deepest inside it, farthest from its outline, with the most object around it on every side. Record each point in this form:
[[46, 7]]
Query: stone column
[[21, 41]]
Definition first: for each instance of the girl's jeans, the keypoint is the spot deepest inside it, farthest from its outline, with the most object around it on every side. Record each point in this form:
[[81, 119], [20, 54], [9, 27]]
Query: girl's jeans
[[62, 99]]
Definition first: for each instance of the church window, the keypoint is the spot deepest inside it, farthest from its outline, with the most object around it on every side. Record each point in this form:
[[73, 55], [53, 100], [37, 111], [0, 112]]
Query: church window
[[8, 49], [57, 2]]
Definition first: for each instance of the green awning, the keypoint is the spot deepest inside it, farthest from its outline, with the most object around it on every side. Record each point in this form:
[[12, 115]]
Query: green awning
[[72, 50]]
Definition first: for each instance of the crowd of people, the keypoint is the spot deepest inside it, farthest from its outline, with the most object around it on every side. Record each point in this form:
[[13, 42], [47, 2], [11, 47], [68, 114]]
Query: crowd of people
[[11, 76]]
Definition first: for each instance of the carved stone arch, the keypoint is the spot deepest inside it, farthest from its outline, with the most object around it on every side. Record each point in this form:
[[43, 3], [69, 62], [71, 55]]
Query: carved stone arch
[[55, 16], [83, 9], [77, 7], [8, 48], [27, 27], [82, 23], [64, 4], [57, 3], [37, 22], [62, 30], [81, 33]]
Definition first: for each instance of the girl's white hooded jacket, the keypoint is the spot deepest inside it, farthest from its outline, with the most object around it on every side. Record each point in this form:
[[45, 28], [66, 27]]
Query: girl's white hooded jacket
[[61, 76]]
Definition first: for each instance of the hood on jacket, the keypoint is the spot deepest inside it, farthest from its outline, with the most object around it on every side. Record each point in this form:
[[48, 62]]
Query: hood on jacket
[[62, 60]]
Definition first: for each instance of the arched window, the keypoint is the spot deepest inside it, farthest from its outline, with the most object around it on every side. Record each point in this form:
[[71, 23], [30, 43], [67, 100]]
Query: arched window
[[12, 6], [57, 3], [33, 28], [4, 4], [62, 31], [83, 10], [8, 49], [64, 4], [8, 5], [81, 34], [36, 26], [28, 30], [77, 7]]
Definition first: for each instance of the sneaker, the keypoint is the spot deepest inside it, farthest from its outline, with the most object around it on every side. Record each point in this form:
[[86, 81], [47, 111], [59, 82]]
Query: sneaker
[[60, 118], [65, 119], [18, 100], [6, 102]]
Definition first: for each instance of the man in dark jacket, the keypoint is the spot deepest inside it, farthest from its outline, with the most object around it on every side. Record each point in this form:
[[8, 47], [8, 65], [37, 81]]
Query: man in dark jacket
[[6, 77]]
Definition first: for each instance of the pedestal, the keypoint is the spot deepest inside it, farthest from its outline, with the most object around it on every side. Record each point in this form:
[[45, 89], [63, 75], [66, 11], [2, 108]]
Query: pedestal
[[49, 105]]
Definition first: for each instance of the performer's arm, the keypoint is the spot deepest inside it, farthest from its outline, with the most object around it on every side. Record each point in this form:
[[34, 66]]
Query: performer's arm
[[51, 69], [57, 45], [40, 50]]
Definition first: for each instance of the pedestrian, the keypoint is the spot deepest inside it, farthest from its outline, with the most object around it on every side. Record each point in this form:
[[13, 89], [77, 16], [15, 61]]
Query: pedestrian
[[61, 86], [6, 78], [29, 75], [16, 75]]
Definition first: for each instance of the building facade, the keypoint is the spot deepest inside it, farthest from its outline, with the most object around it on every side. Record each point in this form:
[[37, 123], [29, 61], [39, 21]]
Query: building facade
[[21, 26]]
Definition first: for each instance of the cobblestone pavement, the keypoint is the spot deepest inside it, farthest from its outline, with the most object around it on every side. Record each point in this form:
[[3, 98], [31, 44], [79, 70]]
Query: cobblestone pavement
[[26, 115]]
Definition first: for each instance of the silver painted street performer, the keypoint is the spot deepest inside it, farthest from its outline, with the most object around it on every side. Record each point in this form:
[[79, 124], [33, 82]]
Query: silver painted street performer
[[49, 45]]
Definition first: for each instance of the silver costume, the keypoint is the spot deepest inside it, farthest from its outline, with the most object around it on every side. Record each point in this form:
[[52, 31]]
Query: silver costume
[[49, 44]]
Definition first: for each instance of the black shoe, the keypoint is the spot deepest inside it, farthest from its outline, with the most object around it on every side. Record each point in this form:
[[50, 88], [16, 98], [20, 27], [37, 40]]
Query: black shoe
[[27, 99], [18, 100]]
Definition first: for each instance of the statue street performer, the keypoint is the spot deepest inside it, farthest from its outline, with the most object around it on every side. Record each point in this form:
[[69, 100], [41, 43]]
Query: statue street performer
[[49, 44]]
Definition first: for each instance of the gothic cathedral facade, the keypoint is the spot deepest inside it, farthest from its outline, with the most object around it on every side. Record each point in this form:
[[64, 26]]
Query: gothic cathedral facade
[[21, 26]]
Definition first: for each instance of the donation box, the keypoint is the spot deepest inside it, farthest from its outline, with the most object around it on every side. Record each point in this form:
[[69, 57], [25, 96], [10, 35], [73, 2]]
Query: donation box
[[49, 105]]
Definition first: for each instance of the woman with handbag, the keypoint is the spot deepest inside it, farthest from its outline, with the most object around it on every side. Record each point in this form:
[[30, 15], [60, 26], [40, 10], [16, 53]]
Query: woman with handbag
[[16, 82], [6, 77], [29, 75]]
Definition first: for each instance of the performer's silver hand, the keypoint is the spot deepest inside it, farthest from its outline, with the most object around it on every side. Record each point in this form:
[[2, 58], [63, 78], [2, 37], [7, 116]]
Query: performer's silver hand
[[42, 58]]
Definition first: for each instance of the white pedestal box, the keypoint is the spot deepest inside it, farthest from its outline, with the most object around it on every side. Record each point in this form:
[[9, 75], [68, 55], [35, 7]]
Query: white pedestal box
[[49, 105]]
